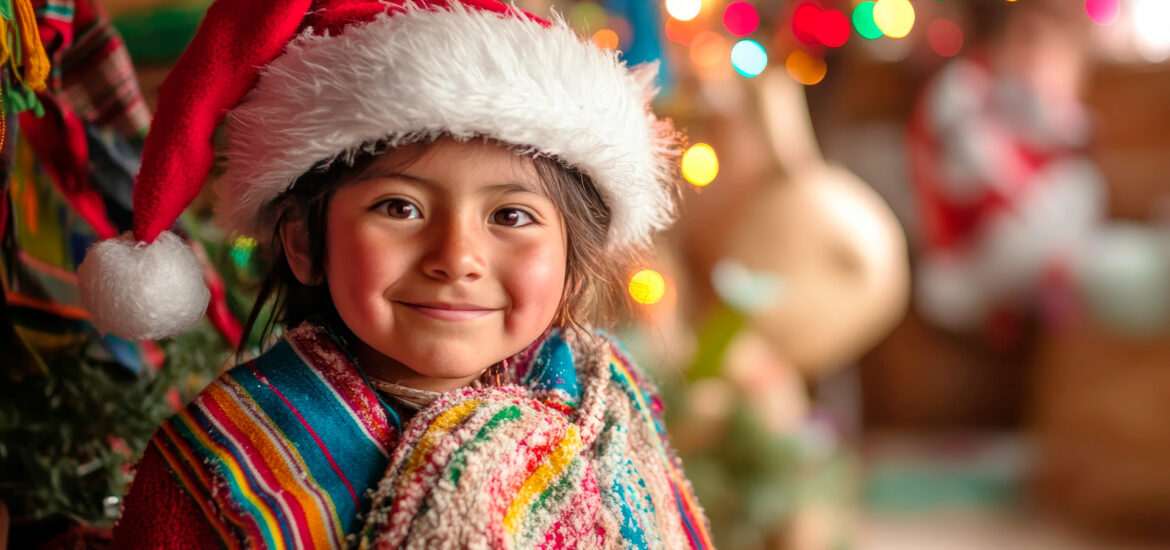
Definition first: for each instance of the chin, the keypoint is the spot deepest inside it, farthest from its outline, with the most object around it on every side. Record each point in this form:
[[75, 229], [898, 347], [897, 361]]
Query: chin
[[448, 364]]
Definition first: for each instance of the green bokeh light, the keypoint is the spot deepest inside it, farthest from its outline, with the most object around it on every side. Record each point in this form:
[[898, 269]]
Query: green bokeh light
[[864, 23]]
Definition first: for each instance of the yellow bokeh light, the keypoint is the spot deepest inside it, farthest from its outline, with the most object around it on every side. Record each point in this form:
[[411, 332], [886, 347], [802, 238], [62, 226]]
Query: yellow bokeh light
[[647, 287], [700, 165], [606, 39], [804, 68], [895, 18], [684, 10]]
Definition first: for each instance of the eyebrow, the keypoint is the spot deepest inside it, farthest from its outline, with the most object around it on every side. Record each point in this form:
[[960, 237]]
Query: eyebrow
[[512, 187], [505, 187]]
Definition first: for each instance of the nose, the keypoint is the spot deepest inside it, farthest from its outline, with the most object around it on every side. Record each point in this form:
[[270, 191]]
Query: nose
[[455, 250]]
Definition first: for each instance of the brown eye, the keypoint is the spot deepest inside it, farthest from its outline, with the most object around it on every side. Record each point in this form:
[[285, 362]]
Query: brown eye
[[399, 209], [511, 217]]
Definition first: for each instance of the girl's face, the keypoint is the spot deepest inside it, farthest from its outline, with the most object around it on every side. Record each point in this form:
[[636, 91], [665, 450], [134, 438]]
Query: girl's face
[[446, 265]]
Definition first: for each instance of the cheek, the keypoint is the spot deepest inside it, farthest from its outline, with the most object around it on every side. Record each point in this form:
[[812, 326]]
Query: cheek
[[536, 280], [357, 265]]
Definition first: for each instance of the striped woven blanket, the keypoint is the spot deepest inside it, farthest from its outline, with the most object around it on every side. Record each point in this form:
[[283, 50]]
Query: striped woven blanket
[[293, 450]]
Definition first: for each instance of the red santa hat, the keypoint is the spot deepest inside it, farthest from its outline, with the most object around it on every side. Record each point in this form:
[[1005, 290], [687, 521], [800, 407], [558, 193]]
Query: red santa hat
[[299, 82]]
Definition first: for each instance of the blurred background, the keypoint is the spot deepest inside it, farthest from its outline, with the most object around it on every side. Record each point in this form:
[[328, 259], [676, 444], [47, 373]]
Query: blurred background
[[919, 296]]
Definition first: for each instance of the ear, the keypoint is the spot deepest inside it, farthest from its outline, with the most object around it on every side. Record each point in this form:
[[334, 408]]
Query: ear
[[294, 237]]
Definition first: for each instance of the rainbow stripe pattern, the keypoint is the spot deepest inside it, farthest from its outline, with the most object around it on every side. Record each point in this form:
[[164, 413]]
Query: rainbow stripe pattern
[[573, 456], [293, 450], [279, 451]]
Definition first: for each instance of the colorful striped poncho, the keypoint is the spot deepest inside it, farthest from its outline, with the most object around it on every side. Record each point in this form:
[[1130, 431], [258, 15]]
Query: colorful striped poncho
[[294, 450]]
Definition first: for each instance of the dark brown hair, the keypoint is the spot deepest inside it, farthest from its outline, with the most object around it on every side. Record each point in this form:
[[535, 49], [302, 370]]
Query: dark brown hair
[[594, 274]]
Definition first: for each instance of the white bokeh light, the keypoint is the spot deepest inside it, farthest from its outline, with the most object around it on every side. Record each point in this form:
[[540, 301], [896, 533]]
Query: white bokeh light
[[1151, 28], [684, 10]]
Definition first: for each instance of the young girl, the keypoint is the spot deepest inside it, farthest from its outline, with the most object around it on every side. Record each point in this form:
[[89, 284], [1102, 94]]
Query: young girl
[[450, 192]]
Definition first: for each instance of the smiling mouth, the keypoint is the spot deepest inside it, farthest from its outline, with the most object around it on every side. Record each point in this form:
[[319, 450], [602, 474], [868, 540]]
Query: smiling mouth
[[449, 312]]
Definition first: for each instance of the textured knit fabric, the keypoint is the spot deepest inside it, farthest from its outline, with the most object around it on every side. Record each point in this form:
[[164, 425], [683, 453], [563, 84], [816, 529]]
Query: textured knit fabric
[[279, 450], [91, 68], [573, 456], [570, 453], [92, 81], [156, 488]]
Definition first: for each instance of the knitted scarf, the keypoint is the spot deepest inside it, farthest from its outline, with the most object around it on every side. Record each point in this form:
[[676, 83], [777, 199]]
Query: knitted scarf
[[283, 451]]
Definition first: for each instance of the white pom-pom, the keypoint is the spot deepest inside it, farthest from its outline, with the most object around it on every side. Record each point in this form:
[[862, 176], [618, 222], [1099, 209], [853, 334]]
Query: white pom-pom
[[143, 292]]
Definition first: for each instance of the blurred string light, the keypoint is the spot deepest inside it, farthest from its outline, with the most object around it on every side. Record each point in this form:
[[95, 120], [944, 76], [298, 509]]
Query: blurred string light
[[741, 18], [749, 58], [895, 18], [1151, 28], [700, 165], [945, 37], [647, 287], [872, 19], [804, 68], [684, 10], [815, 26], [709, 51], [864, 23], [1104, 12], [606, 38], [832, 28], [804, 23]]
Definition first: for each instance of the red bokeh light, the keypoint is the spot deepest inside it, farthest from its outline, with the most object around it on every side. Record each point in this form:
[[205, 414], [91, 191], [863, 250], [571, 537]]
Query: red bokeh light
[[832, 28], [741, 18], [804, 23], [945, 37]]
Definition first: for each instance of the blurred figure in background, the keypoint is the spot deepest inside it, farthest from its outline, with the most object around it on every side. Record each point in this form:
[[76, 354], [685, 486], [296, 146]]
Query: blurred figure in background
[[998, 156]]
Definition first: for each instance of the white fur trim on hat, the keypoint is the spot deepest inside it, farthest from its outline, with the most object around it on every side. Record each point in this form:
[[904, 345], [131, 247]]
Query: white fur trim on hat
[[461, 72], [140, 291]]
